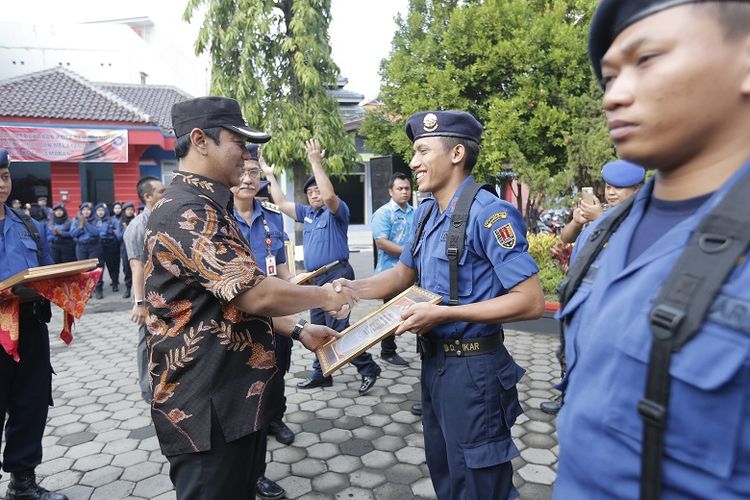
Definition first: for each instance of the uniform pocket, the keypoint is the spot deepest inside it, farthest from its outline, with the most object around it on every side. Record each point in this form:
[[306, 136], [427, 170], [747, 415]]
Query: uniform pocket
[[29, 252], [508, 376], [490, 454], [708, 381], [442, 269]]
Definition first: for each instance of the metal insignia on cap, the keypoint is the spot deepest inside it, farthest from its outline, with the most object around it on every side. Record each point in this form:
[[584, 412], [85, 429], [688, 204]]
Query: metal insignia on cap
[[430, 122]]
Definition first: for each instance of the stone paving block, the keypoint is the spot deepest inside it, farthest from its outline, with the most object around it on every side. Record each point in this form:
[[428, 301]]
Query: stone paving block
[[130, 458], [304, 439], [113, 491], [536, 440], [153, 486], [50, 467], [404, 474], [68, 429], [96, 416], [539, 457], [55, 451], [348, 422], [103, 426], [84, 449], [400, 388], [83, 400], [541, 427], [139, 472], [149, 444], [411, 455], [77, 492], [61, 480], [143, 432], [63, 419], [93, 462], [330, 482], [367, 478], [354, 493], [308, 467], [289, 455], [423, 488], [135, 423], [356, 447], [314, 495], [391, 491], [335, 436], [341, 403], [379, 459], [368, 433], [539, 474], [101, 476], [91, 408], [329, 413], [398, 429], [344, 464], [312, 405], [121, 446], [389, 443], [358, 410], [323, 451], [532, 491], [276, 470], [296, 486], [405, 417], [377, 420], [299, 417]]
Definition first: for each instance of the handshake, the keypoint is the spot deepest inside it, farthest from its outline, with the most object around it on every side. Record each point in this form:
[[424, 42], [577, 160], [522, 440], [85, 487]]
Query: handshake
[[340, 299]]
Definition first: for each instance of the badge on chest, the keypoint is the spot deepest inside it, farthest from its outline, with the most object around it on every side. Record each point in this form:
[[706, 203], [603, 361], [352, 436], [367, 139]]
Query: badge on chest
[[271, 265]]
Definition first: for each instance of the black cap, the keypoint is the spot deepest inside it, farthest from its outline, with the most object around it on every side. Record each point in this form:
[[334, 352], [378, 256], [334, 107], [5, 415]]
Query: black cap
[[613, 16], [212, 111], [458, 124], [4, 158], [309, 182], [253, 150]]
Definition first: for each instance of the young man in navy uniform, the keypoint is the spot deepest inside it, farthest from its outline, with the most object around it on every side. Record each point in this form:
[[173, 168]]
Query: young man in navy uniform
[[676, 78], [325, 239], [25, 385], [469, 378], [262, 226]]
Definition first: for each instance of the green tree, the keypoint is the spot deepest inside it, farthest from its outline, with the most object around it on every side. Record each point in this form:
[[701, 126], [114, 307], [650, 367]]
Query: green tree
[[274, 57], [520, 66]]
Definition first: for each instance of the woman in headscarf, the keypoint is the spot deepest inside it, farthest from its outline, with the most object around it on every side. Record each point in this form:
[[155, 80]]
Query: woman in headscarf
[[58, 234], [108, 226], [88, 245]]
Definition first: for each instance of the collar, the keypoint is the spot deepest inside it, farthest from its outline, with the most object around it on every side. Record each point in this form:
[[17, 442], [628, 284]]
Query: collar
[[395, 206], [199, 184]]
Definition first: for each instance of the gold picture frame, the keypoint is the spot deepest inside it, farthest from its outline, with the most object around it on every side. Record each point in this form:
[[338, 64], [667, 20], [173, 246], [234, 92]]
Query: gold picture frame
[[306, 278], [370, 330]]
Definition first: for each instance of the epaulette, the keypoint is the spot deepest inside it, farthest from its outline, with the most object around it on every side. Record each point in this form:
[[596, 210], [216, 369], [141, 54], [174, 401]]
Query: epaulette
[[270, 207]]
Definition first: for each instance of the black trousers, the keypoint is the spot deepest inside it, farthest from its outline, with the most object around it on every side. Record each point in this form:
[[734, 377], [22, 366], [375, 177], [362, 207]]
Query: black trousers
[[25, 394], [63, 251], [111, 254], [388, 344], [227, 470]]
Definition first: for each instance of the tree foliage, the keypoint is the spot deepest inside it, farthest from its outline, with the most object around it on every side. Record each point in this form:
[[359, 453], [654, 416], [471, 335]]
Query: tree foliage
[[520, 66], [274, 57]]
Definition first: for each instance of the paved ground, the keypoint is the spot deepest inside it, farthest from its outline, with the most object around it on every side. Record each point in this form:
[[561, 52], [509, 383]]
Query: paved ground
[[100, 444]]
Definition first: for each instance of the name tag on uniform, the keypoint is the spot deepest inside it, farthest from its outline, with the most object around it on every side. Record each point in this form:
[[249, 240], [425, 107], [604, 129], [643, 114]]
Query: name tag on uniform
[[308, 220], [271, 265]]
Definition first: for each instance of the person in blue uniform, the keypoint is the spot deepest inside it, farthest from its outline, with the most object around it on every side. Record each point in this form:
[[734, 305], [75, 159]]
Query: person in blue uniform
[[262, 226], [86, 235], [128, 214], [58, 234], [25, 385], [469, 397], [108, 229], [325, 240], [676, 78]]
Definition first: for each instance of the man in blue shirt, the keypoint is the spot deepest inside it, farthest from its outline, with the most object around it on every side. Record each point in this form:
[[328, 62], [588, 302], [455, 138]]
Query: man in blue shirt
[[676, 81], [469, 396], [392, 227], [262, 226], [25, 385], [325, 240]]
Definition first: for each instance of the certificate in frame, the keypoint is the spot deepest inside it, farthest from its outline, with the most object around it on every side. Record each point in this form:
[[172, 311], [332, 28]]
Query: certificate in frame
[[370, 330]]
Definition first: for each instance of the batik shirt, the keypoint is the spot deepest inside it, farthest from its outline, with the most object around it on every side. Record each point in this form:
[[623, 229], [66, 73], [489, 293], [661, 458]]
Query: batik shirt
[[204, 352]]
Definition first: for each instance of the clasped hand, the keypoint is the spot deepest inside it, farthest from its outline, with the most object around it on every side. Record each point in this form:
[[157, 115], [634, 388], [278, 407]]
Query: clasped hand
[[340, 300]]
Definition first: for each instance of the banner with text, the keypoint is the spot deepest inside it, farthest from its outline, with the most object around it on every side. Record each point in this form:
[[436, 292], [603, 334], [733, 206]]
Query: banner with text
[[68, 145]]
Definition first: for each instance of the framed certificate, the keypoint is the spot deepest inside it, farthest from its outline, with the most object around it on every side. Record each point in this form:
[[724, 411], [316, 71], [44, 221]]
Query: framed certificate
[[370, 330], [306, 278]]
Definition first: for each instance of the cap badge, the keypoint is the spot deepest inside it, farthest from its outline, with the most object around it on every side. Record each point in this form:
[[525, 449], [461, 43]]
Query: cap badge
[[430, 122]]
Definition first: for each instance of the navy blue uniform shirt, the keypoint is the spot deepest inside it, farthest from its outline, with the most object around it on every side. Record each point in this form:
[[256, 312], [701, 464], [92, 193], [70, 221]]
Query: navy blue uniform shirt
[[324, 238], [255, 234], [18, 250]]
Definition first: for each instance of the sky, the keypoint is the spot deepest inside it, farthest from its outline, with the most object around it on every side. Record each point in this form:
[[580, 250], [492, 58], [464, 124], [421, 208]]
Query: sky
[[361, 30]]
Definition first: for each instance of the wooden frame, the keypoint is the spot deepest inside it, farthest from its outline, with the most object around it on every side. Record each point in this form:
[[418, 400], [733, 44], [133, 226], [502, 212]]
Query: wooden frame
[[50, 271], [370, 330], [305, 278]]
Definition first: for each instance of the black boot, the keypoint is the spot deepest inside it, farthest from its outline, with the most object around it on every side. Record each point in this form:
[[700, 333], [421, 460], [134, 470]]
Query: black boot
[[126, 295], [23, 486], [115, 287], [99, 292]]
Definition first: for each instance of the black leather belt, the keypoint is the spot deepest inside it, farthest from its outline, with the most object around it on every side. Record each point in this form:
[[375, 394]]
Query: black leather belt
[[461, 347]]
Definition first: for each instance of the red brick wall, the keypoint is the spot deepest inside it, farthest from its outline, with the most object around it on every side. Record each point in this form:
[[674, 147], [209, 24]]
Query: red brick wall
[[66, 177], [126, 176]]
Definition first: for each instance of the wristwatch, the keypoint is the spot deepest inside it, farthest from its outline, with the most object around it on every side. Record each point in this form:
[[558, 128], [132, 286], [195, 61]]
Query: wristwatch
[[297, 330], [140, 302]]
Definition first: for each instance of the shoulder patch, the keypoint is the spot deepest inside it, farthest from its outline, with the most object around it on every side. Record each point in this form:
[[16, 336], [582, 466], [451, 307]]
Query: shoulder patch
[[270, 207], [494, 218], [505, 236]]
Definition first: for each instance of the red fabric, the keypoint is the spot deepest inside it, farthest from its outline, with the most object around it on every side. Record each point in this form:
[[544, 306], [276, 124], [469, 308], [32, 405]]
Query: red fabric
[[70, 293]]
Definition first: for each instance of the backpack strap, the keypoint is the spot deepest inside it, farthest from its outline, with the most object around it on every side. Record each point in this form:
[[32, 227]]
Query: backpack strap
[[418, 233], [716, 246], [33, 232], [456, 237], [591, 248]]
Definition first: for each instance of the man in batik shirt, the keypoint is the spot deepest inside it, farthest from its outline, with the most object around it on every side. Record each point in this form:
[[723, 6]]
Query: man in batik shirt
[[211, 336]]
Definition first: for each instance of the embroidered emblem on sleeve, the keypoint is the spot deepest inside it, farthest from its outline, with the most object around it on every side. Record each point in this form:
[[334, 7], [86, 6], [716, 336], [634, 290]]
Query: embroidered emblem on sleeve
[[494, 218], [505, 236]]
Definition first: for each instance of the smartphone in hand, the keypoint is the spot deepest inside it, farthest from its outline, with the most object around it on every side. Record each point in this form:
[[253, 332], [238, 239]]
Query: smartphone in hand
[[587, 195]]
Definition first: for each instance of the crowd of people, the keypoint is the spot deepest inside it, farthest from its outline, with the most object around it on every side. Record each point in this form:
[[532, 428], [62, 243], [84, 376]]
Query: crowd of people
[[656, 342]]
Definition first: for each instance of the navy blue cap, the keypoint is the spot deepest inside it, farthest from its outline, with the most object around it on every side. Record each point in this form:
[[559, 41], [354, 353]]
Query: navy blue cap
[[613, 16], [86, 204], [253, 150], [58, 205], [4, 158], [458, 124], [212, 111], [309, 182], [621, 173]]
